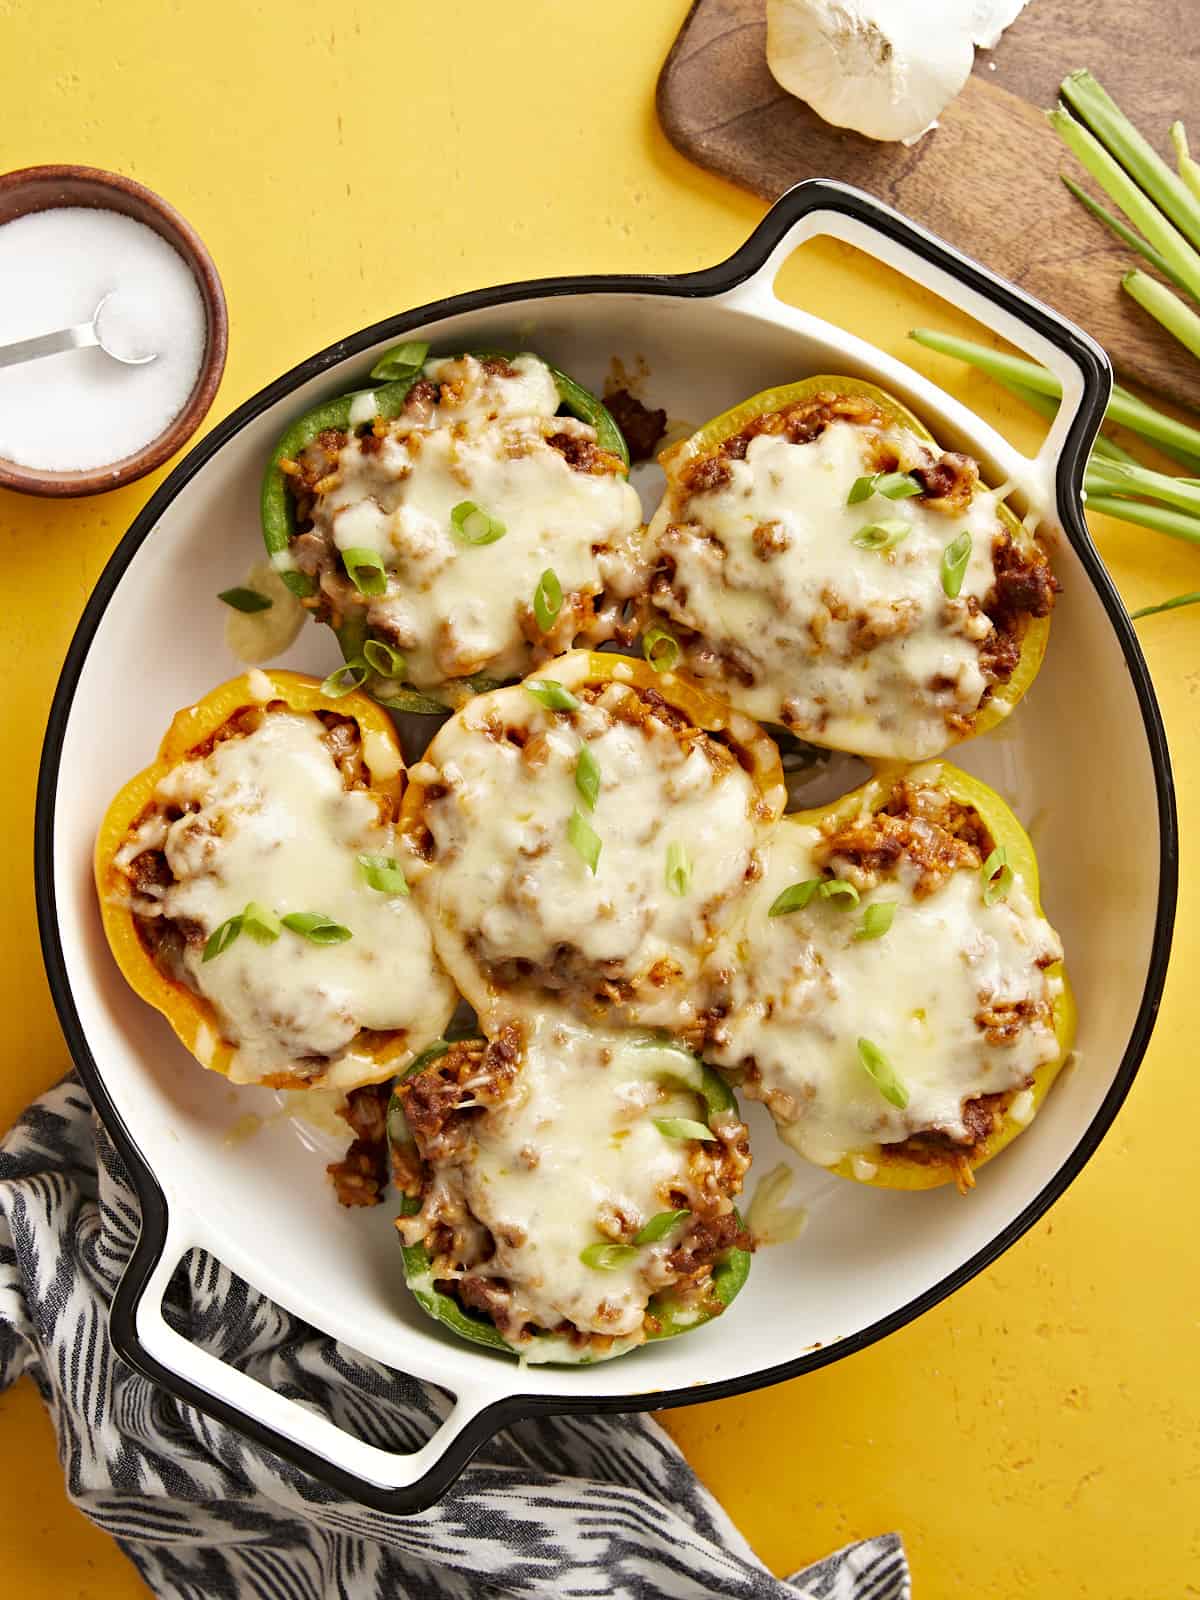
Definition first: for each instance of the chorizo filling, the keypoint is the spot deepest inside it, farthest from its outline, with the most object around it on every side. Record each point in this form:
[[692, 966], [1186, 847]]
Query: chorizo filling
[[899, 996], [451, 591], [590, 852], [267, 819], [544, 1179], [877, 625], [360, 1177]]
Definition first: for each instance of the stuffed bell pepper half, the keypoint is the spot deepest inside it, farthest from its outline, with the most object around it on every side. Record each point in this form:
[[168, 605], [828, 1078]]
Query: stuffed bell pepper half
[[568, 1192], [891, 989], [583, 835], [462, 519], [822, 562], [251, 890]]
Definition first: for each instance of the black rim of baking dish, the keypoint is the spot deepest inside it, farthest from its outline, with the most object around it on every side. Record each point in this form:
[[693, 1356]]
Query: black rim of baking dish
[[816, 195]]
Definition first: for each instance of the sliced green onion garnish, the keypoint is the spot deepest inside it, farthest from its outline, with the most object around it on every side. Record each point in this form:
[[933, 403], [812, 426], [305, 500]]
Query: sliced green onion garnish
[[245, 600], [683, 1128], [891, 485], [299, 583], [584, 840], [587, 777], [876, 920], [402, 362], [679, 868], [661, 649], [365, 570], [342, 680], [885, 535], [897, 486], [381, 658], [221, 938], [997, 876], [552, 695], [317, 927], [472, 524], [659, 1226], [839, 889], [879, 1069], [607, 1257], [954, 564], [794, 898], [260, 923], [547, 599], [383, 873]]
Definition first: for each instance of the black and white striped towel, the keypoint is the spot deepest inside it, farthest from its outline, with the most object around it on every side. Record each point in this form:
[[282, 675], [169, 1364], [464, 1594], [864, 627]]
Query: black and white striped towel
[[595, 1506]]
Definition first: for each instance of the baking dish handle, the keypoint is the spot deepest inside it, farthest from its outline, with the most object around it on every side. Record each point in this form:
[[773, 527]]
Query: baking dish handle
[[391, 1481], [834, 210]]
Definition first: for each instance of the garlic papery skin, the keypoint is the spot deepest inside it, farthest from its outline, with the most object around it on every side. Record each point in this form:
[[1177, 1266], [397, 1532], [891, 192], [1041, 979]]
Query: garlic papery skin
[[989, 18], [886, 68]]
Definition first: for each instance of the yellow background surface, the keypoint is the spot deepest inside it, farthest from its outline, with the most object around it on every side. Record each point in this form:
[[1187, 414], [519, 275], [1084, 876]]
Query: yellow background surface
[[1035, 1435]]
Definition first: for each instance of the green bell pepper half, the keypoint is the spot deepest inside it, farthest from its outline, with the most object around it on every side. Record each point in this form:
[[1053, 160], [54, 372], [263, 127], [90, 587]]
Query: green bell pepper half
[[278, 518], [400, 368], [580, 402], [673, 1315]]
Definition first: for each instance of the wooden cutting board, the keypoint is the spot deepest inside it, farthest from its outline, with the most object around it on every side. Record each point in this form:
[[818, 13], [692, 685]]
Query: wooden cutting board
[[987, 178]]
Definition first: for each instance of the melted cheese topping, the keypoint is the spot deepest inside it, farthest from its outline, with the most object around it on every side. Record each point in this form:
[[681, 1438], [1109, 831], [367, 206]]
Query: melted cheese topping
[[507, 885], [568, 1156], [455, 608], [268, 819], [470, 393], [803, 991], [854, 648]]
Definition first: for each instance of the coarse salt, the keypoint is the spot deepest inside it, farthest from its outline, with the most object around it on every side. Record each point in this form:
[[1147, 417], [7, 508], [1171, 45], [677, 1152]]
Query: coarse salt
[[81, 409]]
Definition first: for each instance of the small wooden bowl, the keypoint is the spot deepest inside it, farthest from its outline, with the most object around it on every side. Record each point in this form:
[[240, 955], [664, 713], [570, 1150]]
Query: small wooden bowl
[[41, 189]]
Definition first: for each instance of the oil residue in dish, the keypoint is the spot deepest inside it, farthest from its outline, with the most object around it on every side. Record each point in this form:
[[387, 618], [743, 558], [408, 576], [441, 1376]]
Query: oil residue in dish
[[254, 636], [244, 1128], [770, 1219]]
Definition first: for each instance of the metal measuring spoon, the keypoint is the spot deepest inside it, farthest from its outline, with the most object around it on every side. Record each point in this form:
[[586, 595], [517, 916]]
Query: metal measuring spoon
[[81, 337]]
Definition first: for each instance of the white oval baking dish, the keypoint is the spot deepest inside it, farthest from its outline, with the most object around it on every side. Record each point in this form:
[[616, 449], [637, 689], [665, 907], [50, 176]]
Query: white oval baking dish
[[1083, 760]]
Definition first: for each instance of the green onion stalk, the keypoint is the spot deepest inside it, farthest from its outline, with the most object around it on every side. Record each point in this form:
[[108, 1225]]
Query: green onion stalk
[[1174, 196], [1160, 221], [1175, 439]]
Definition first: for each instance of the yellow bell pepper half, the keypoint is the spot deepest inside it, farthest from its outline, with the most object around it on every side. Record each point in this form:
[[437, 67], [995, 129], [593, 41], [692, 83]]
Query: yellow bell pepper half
[[896, 1168], [706, 440], [190, 1015]]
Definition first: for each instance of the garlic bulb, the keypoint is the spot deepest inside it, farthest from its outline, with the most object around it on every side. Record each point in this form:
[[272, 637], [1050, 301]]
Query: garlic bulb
[[886, 68], [989, 18]]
